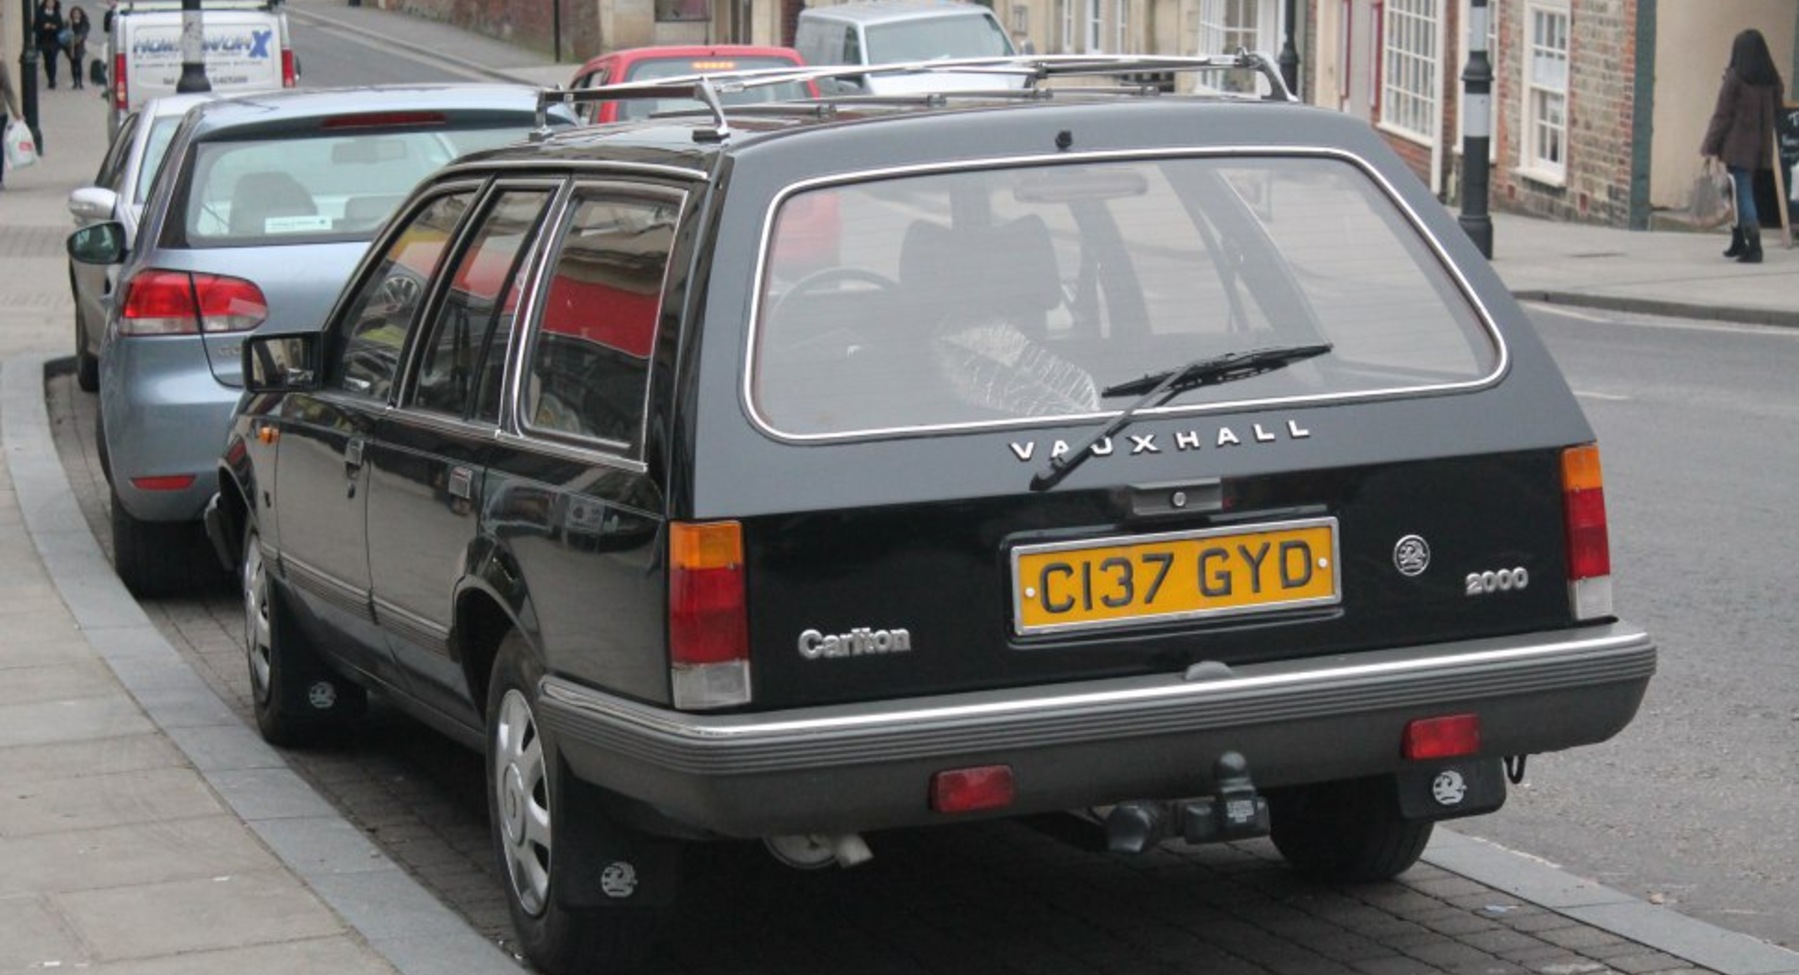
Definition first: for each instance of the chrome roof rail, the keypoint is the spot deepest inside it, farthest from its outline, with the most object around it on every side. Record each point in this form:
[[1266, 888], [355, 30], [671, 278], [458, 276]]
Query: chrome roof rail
[[1032, 70]]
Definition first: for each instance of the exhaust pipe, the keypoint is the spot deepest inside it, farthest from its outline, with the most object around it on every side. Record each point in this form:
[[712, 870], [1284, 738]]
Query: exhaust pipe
[[814, 851]]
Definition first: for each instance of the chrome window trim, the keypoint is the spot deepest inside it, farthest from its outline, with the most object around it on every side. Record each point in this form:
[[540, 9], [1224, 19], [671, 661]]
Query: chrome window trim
[[411, 351], [581, 169], [578, 446], [569, 452], [1483, 315]]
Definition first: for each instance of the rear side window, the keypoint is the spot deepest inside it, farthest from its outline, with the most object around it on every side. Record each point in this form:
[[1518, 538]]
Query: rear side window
[[588, 368], [1031, 291], [320, 186]]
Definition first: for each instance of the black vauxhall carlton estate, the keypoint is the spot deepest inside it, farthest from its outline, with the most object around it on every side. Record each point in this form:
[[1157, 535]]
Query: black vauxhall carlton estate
[[797, 471]]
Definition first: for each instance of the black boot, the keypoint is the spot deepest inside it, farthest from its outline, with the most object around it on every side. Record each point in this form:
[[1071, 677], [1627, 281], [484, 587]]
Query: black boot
[[1736, 242], [1752, 251]]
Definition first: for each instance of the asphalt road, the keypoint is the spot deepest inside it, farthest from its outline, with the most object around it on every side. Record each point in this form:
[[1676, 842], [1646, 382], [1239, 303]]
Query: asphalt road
[[1693, 805]]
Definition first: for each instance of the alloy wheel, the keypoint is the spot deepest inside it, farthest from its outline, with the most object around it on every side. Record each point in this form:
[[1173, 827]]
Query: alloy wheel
[[522, 792]]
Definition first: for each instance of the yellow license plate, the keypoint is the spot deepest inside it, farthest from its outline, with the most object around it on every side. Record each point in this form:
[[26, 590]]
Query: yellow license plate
[[1174, 576]]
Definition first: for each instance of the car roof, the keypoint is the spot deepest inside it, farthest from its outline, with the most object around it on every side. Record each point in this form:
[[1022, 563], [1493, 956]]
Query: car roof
[[278, 109], [886, 11]]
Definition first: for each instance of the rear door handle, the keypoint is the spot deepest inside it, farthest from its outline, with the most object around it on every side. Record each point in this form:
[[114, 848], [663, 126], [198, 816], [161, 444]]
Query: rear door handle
[[353, 453]]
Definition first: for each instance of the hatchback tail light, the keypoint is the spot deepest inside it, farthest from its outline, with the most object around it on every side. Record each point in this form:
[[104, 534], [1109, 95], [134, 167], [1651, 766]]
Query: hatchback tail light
[[159, 302], [1589, 546], [708, 625]]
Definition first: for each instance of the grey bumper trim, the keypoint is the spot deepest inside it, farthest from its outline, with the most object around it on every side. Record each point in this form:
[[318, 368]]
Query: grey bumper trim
[[1110, 710]]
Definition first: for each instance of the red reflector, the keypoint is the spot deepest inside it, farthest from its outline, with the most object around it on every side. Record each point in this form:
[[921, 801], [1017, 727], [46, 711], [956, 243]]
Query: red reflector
[[963, 790], [1446, 737], [171, 482], [707, 620], [375, 120]]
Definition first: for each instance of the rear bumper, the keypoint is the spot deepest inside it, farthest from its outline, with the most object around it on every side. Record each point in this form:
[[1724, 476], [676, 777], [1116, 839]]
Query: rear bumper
[[867, 766]]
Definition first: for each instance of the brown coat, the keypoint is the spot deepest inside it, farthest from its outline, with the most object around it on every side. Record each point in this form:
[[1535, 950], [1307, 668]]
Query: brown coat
[[1742, 127]]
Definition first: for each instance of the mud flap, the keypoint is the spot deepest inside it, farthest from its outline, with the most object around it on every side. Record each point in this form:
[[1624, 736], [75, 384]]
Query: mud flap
[[1451, 789], [603, 863]]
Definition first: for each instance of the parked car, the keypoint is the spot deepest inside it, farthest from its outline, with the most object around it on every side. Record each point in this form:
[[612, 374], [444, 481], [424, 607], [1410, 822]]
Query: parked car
[[118, 193], [262, 208], [1172, 460], [247, 46], [655, 63], [871, 32]]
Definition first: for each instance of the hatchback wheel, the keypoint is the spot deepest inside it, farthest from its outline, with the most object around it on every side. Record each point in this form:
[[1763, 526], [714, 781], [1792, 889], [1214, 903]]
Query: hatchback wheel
[[529, 814], [161, 558], [87, 364], [1346, 832], [296, 699]]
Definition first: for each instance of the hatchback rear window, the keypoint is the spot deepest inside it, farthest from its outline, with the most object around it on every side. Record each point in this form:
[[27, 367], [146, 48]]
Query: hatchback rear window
[[1030, 292], [338, 186]]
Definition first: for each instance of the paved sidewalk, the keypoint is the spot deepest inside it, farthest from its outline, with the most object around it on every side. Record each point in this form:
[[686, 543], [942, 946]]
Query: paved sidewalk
[[143, 828]]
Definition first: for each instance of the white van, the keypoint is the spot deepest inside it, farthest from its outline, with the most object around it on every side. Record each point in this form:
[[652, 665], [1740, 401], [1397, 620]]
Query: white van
[[246, 43], [895, 31]]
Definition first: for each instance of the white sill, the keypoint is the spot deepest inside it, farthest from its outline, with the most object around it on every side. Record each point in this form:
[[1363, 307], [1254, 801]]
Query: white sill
[[1547, 177], [1406, 134]]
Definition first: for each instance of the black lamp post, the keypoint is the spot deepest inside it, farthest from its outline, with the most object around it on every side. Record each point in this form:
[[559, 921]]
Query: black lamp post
[[1288, 59], [1477, 120], [28, 75], [193, 50]]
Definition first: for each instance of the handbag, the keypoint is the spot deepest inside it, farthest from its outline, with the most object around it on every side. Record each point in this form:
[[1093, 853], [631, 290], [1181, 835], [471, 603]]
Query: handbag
[[21, 148], [63, 37], [1709, 200]]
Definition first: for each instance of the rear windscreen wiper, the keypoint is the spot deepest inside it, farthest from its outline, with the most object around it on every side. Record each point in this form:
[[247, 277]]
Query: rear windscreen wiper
[[1158, 387]]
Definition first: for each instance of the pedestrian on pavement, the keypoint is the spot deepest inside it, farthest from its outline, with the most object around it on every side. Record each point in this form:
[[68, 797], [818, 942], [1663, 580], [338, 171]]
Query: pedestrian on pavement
[[49, 30], [1742, 134], [9, 110], [79, 26]]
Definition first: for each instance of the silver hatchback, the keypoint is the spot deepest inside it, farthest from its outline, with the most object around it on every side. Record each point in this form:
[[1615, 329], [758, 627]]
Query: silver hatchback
[[262, 208]]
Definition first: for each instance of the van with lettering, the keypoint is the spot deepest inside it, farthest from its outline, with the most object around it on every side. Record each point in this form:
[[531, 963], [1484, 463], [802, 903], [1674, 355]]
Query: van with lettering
[[246, 43]]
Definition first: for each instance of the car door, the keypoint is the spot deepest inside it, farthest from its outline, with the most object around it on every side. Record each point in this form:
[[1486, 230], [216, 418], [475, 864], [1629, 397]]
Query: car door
[[428, 461], [321, 472]]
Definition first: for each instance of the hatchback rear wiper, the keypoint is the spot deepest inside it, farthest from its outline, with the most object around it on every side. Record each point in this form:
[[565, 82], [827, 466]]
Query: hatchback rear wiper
[[1159, 387]]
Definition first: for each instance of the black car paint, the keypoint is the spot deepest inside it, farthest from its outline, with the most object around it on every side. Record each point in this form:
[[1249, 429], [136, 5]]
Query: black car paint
[[1476, 471]]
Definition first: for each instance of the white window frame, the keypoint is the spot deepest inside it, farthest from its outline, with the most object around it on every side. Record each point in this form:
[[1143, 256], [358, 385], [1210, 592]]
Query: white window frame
[[1543, 152], [1095, 36], [1065, 42], [1411, 86], [1219, 28]]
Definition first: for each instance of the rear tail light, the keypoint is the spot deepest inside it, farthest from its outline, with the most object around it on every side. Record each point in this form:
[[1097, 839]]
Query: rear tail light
[[118, 81], [290, 70], [159, 302], [1589, 546], [708, 625], [1451, 736]]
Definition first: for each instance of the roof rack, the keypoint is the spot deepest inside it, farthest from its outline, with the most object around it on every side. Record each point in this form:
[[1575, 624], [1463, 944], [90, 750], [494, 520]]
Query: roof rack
[[1033, 70]]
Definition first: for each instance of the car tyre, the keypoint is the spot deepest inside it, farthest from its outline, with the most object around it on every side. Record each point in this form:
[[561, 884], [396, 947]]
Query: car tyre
[[296, 699], [527, 806], [1346, 832], [160, 558], [87, 364]]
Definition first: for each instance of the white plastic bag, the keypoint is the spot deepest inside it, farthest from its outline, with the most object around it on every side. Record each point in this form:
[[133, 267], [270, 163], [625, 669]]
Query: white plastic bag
[[21, 148], [1709, 201]]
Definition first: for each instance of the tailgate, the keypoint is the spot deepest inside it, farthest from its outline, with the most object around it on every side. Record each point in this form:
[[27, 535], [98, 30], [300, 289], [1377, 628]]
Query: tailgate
[[963, 595]]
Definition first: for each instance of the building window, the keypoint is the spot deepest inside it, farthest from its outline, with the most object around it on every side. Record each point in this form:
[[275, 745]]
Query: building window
[[1095, 26], [1122, 43], [1546, 91], [1065, 11], [1410, 68], [1227, 26]]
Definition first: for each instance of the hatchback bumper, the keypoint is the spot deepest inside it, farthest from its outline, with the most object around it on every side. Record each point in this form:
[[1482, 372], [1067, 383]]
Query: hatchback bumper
[[867, 766], [165, 417]]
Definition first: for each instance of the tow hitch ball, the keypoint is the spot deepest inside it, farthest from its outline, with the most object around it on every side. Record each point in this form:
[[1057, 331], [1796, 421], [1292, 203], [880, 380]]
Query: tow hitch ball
[[1234, 812]]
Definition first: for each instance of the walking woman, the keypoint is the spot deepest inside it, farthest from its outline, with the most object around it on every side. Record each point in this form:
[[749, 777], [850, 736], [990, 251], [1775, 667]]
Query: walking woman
[[48, 29], [1742, 134], [9, 110], [78, 30]]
